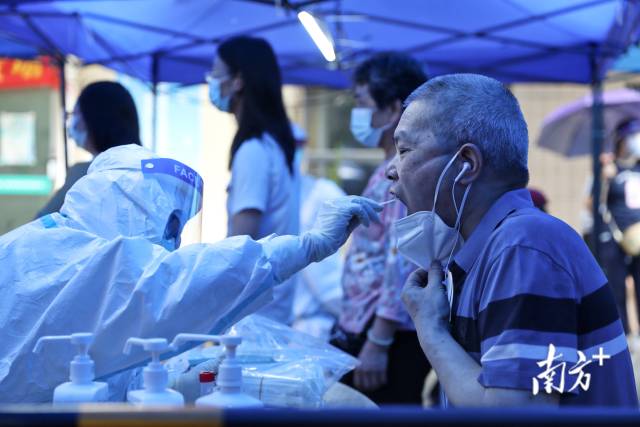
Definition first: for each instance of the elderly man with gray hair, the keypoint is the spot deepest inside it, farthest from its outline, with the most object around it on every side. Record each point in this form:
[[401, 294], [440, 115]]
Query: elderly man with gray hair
[[514, 310]]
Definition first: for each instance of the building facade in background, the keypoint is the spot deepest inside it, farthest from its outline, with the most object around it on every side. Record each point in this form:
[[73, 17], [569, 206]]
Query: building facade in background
[[29, 117], [189, 129]]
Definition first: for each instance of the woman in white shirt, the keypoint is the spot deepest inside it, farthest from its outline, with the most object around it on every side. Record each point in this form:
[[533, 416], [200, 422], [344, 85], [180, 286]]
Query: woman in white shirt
[[263, 194]]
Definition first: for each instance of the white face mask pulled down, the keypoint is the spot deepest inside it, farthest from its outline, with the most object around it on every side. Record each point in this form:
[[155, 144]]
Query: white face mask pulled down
[[423, 237]]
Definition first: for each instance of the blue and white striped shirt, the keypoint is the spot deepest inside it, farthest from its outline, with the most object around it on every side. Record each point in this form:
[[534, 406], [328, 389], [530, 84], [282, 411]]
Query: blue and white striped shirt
[[525, 280]]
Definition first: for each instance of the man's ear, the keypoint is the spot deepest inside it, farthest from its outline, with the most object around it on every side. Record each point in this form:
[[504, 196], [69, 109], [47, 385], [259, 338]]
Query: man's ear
[[470, 153]]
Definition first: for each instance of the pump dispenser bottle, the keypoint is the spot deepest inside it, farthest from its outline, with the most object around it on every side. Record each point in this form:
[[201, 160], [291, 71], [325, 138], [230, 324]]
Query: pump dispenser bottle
[[229, 381], [155, 376], [81, 388]]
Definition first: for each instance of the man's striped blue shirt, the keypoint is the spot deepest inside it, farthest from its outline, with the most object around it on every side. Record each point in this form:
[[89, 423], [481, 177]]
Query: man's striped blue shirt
[[525, 280]]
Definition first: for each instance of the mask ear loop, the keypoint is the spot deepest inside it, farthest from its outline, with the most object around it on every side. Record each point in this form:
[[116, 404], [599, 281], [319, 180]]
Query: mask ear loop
[[450, 290], [456, 227], [458, 221], [465, 167]]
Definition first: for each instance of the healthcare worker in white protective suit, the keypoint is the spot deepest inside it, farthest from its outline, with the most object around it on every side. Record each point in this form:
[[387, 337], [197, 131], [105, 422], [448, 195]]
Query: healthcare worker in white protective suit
[[108, 263]]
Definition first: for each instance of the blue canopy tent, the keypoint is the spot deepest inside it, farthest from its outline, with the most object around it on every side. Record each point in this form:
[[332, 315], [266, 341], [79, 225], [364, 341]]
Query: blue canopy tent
[[629, 62], [174, 40], [14, 49]]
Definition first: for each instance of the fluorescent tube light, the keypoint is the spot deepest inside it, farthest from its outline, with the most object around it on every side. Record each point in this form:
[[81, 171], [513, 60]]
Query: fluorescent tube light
[[319, 37]]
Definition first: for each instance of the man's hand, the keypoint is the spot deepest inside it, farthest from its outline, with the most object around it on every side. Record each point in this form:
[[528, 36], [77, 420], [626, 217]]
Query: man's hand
[[457, 371], [372, 372], [427, 305]]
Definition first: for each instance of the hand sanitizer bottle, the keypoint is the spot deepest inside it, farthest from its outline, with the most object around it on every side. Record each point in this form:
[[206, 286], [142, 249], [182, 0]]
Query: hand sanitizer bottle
[[229, 381], [155, 376], [81, 388]]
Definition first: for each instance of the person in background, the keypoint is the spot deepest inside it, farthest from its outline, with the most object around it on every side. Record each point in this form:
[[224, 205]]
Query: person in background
[[263, 194], [104, 116], [539, 199], [318, 294], [608, 171], [374, 326], [620, 244]]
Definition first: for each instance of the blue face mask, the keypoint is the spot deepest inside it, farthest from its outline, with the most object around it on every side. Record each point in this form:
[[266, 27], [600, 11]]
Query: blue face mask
[[362, 130], [215, 95], [171, 238], [79, 136]]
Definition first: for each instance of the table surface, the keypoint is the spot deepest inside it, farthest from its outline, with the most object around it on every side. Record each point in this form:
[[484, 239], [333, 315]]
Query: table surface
[[342, 396]]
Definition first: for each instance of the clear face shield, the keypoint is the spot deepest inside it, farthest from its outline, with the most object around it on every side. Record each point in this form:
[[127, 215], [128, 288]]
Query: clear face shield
[[183, 187]]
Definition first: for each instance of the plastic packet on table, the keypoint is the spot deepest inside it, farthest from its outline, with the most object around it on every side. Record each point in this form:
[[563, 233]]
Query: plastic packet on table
[[285, 385], [262, 337], [281, 366]]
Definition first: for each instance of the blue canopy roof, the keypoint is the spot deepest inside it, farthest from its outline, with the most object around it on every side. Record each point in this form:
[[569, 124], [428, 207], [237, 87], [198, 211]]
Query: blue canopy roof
[[14, 49], [174, 40], [629, 62]]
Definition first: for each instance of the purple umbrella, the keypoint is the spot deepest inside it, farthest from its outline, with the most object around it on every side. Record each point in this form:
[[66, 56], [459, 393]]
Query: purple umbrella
[[568, 129]]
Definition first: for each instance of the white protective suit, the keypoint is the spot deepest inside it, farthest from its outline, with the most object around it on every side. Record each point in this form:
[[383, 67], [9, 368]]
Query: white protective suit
[[100, 265], [318, 296]]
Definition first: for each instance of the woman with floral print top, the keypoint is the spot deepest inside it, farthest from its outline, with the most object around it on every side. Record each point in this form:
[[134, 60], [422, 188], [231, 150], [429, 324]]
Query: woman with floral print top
[[374, 326]]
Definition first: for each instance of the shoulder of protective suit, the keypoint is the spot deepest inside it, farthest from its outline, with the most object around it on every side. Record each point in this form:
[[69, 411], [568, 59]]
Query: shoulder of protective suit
[[121, 157]]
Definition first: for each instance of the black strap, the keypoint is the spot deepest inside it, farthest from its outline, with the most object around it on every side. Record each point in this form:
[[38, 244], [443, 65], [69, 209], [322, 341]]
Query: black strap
[[458, 275]]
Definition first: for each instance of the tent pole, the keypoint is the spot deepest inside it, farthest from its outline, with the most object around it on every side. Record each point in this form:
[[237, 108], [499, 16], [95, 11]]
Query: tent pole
[[63, 104], [597, 137], [154, 112]]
